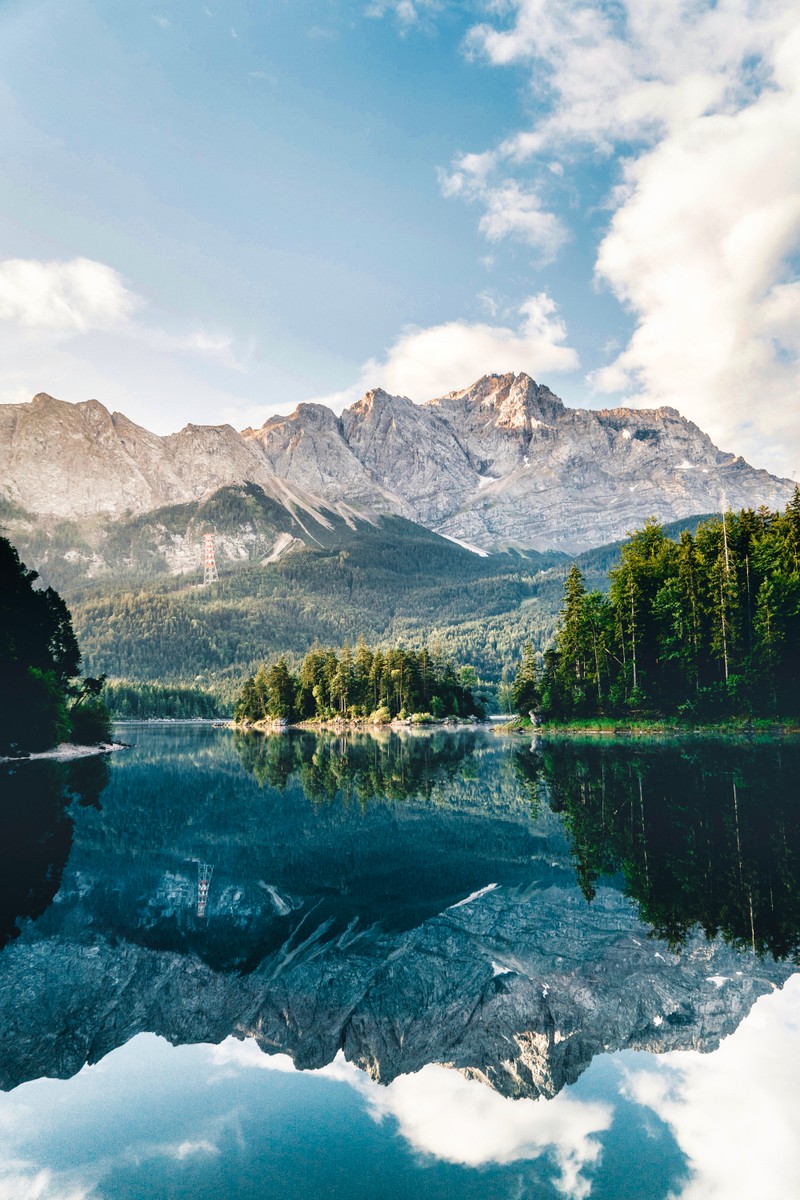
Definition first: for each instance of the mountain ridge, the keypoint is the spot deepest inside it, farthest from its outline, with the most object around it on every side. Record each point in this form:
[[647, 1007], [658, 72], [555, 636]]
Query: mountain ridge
[[502, 464]]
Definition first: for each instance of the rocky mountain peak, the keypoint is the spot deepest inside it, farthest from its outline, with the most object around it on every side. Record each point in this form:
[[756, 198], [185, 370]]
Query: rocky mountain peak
[[377, 403], [510, 402], [319, 415]]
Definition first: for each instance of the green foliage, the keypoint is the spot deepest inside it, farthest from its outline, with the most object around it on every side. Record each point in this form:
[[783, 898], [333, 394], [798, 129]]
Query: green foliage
[[525, 695], [39, 660], [90, 724], [134, 701], [379, 684], [703, 628], [359, 767]]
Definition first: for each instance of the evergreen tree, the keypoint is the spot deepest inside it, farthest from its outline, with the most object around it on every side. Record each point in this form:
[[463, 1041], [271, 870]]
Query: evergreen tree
[[706, 627], [525, 695], [40, 697]]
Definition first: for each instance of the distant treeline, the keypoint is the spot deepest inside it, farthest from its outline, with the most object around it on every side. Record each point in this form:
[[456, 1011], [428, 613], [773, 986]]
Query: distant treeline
[[380, 684], [702, 628], [133, 701]]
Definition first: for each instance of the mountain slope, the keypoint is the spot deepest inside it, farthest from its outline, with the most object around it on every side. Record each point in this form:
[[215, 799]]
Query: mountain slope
[[75, 461], [141, 612]]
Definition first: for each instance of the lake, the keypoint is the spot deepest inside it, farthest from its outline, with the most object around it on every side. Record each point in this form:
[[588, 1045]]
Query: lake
[[427, 964]]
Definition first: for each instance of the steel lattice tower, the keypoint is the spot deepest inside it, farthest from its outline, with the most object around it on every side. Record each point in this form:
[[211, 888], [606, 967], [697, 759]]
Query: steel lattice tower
[[204, 873], [209, 562]]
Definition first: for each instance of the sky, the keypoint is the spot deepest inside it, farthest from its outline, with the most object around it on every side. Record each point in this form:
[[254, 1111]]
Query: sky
[[212, 212]]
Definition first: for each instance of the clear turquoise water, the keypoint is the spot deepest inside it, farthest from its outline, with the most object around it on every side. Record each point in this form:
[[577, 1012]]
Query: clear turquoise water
[[336, 933]]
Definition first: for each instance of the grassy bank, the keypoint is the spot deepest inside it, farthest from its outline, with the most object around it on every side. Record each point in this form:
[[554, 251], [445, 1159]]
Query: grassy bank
[[649, 727]]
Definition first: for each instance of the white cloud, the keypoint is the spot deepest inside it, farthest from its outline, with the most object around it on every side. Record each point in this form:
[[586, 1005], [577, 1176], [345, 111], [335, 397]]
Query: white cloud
[[734, 1112], [697, 105], [510, 209], [75, 327], [26, 1181], [513, 210], [442, 1114], [64, 297], [188, 1149], [699, 251], [426, 363]]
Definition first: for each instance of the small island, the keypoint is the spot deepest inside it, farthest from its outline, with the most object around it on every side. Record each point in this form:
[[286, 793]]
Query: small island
[[360, 687]]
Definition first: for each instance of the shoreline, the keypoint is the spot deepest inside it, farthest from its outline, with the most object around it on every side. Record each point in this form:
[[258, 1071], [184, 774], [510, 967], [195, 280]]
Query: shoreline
[[64, 752], [363, 725]]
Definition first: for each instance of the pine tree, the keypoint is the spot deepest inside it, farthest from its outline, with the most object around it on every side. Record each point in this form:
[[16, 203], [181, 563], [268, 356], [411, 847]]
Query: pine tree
[[525, 695]]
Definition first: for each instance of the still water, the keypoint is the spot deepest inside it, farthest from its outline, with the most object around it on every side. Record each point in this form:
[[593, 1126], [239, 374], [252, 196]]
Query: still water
[[440, 965]]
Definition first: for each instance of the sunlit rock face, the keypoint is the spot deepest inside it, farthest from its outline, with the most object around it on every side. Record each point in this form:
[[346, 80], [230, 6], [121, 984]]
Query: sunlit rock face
[[443, 925], [504, 463], [80, 461], [501, 464]]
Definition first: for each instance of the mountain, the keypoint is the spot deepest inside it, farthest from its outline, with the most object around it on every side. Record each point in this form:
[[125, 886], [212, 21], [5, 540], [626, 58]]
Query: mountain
[[500, 465]]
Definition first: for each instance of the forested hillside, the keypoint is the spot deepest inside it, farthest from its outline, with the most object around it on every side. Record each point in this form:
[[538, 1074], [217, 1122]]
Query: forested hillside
[[391, 581], [287, 578]]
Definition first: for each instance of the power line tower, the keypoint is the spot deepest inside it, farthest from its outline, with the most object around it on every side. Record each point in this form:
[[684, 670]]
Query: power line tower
[[204, 873], [209, 562]]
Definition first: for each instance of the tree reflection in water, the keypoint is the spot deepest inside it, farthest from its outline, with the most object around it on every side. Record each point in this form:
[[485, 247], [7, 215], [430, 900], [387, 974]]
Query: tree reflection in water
[[706, 836], [36, 831], [357, 766]]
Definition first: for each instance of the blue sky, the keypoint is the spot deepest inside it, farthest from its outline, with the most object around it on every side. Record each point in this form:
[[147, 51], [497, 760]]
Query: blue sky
[[213, 212]]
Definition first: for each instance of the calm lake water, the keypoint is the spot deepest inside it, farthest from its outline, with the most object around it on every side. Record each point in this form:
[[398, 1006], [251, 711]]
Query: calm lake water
[[439, 965]]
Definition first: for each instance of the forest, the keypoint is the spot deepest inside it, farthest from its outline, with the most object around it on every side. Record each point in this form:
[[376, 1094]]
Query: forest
[[43, 700], [702, 628], [377, 684], [131, 700]]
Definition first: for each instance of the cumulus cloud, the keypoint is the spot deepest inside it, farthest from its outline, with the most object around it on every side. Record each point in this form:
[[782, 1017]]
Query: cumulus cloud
[[442, 1114], [697, 106], [510, 210], [49, 310], [20, 1180], [734, 1112], [64, 297], [700, 251], [429, 362]]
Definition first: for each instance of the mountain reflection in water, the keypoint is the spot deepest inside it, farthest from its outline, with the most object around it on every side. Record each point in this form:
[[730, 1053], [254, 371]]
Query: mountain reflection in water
[[405, 900]]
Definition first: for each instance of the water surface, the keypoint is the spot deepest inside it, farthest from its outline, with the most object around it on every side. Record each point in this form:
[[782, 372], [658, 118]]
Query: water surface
[[441, 965]]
